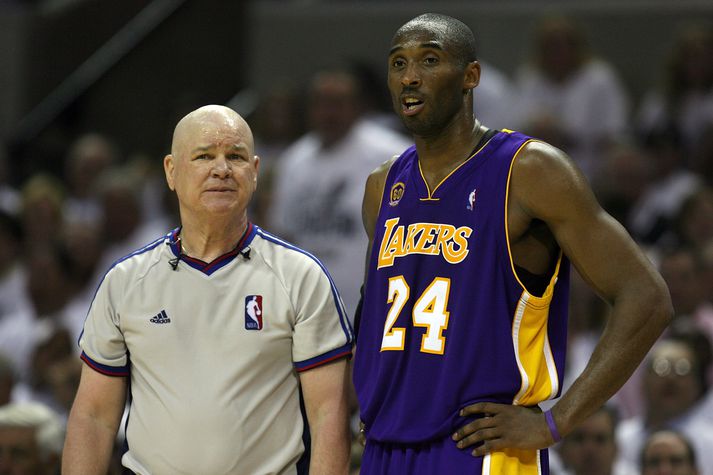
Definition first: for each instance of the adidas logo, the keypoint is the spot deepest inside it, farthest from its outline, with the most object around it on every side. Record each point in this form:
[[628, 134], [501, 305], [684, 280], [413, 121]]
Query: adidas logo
[[160, 318]]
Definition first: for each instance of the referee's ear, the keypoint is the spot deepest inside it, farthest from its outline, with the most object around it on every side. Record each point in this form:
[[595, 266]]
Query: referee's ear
[[168, 167]]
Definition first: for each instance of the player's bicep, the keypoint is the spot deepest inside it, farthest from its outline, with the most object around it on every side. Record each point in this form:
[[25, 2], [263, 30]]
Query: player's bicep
[[373, 194], [550, 188], [373, 191]]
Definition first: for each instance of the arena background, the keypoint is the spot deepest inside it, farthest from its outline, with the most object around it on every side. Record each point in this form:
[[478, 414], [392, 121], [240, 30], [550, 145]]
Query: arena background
[[130, 68]]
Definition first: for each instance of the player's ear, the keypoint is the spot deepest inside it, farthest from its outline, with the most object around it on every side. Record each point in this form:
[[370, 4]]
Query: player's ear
[[471, 78], [168, 168]]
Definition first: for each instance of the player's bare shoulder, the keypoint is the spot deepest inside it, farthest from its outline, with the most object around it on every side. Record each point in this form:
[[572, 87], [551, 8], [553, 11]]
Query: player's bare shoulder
[[539, 159], [544, 178], [377, 177], [373, 193]]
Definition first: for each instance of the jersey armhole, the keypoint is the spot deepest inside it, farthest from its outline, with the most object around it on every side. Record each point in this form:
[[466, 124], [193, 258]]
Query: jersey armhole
[[552, 279]]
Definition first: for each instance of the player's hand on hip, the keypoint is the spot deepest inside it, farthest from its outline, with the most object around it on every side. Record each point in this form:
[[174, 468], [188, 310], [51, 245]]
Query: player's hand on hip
[[503, 426]]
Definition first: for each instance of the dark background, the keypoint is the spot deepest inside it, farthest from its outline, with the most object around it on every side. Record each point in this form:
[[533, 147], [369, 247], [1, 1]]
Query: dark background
[[194, 52]]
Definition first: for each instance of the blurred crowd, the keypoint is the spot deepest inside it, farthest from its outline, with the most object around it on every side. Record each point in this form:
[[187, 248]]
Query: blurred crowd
[[650, 162]]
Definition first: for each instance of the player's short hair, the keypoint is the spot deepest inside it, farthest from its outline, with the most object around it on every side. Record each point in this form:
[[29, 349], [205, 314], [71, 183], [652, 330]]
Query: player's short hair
[[457, 35], [49, 433]]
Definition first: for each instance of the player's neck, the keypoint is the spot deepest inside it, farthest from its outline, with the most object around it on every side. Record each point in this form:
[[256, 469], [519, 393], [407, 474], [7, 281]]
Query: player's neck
[[207, 242], [440, 154]]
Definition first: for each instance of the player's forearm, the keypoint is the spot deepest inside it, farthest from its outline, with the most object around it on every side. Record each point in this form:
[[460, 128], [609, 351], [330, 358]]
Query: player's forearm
[[636, 321], [88, 446], [330, 443]]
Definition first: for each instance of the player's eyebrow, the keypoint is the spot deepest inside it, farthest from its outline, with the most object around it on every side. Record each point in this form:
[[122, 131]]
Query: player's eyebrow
[[433, 44]]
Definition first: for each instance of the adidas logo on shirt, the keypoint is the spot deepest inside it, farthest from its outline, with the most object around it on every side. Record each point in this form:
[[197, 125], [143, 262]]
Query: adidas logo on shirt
[[160, 318]]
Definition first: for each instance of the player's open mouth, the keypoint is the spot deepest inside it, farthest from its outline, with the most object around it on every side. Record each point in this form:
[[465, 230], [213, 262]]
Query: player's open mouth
[[411, 105]]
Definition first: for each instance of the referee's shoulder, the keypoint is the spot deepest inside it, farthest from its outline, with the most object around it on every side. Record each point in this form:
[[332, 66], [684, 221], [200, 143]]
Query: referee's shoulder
[[283, 255], [138, 261]]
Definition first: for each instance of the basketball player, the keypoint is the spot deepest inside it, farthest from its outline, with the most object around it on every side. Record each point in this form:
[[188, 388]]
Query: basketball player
[[463, 324], [216, 326]]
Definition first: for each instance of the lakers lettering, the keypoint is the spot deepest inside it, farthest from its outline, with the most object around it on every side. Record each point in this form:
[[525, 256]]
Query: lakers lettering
[[423, 238]]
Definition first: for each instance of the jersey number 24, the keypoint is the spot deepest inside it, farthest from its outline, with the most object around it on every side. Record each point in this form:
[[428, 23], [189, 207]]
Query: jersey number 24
[[430, 312]]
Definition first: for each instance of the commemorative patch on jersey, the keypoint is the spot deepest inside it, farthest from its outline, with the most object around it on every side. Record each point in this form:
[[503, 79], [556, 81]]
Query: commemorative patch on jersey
[[253, 312], [397, 192]]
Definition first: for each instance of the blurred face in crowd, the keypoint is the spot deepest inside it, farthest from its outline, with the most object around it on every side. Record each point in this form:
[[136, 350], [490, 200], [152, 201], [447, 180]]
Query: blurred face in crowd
[[333, 106], [627, 172], [212, 168], [680, 272], [121, 211], [278, 117], [560, 48], [9, 248], [697, 219], [667, 454], [55, 347], [690, 61], [84, 246], [62, 377], [42, 206], [590, 449], [671, 386], [19, 453], [89, 157], [707, 271], [47, 282]]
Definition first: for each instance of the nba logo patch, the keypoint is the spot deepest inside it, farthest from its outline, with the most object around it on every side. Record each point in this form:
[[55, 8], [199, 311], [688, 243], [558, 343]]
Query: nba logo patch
[[397, 192], [253, 312], [471, 200]]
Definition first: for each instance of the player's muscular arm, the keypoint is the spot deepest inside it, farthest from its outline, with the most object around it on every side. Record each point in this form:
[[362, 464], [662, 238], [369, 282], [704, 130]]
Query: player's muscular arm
[[325, 394], [93, 423], [549, 188], [546, 186], [373, 192]]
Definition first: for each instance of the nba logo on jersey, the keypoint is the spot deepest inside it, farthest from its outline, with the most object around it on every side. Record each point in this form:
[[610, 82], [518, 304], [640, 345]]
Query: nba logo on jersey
[[471, 200], [253, 312]]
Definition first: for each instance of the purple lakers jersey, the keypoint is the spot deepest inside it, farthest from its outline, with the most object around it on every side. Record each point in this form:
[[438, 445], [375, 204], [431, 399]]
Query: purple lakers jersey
[[446, 320]]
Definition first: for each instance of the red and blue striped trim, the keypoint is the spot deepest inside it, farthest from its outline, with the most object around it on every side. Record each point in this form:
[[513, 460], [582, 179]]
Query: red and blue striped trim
[[210, 267], [105, 369], [341, 352]]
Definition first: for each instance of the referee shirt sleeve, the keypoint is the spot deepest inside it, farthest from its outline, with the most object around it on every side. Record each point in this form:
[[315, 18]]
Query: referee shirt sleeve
[[322, 330], [102, 341]]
